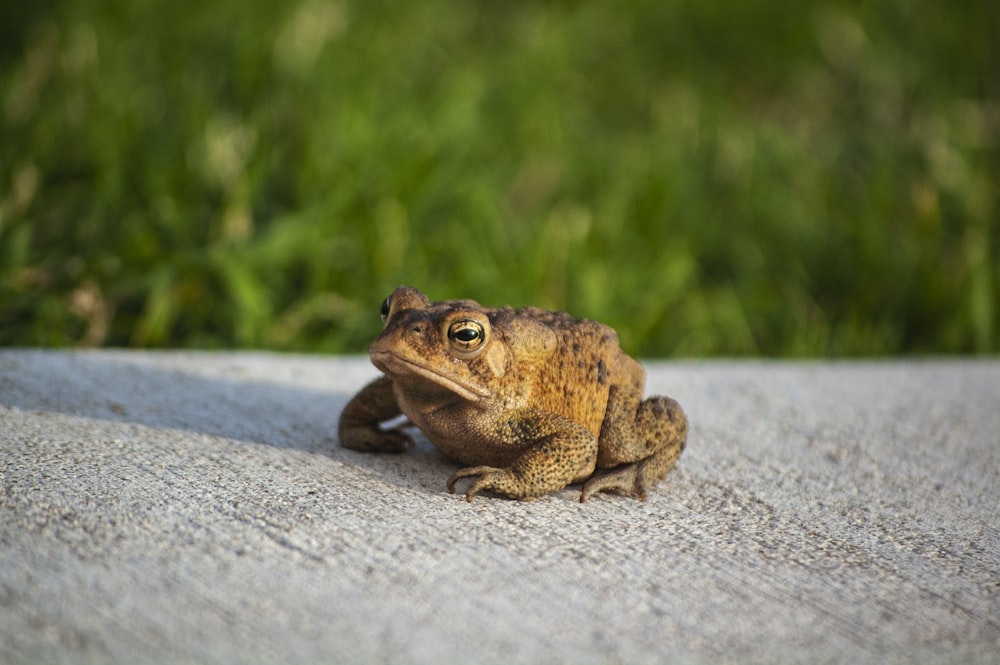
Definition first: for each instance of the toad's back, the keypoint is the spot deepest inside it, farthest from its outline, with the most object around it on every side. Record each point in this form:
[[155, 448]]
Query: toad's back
[[587, 361]]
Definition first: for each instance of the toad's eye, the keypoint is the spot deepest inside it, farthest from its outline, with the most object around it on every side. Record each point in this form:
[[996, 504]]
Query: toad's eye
[[386, 304], [466, 335]]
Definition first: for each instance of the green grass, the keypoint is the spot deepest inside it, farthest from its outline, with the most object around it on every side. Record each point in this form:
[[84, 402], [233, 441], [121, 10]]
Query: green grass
[[759, 178]]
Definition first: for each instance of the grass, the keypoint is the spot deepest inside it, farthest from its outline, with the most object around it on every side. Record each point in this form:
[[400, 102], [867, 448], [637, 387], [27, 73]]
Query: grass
[[815, 179]]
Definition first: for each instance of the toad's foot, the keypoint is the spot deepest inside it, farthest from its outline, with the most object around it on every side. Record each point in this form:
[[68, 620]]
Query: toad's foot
[[489, 478], [633, 479]]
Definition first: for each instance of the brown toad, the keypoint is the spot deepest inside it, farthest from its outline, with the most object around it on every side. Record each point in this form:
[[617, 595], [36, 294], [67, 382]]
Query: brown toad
[[528, 400]]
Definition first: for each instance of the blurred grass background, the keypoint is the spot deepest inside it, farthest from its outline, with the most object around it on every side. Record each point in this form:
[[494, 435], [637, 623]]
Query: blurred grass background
[[758, 178]]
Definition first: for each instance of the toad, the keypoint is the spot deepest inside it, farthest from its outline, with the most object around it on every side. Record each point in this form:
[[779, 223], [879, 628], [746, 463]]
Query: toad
[[527, 401]]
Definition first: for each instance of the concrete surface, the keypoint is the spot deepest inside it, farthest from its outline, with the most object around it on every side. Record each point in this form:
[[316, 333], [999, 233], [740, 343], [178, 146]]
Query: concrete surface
[[195, 508]]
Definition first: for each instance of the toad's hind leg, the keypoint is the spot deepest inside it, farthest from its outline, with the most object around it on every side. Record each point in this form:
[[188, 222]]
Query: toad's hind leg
[[639, 444]]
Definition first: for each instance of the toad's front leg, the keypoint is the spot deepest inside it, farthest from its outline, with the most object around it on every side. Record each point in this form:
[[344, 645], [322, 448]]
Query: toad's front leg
[[558, 451], [359, 427]]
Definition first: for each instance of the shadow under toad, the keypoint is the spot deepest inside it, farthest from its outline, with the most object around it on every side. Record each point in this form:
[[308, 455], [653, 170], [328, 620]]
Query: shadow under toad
[[126, 387]]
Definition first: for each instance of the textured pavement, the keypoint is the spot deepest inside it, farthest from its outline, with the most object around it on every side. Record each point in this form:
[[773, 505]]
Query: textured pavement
[[195, 507]]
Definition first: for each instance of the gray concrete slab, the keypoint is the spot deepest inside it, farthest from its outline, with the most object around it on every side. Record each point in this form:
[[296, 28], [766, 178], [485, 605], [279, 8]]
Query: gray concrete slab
[[195, 507]]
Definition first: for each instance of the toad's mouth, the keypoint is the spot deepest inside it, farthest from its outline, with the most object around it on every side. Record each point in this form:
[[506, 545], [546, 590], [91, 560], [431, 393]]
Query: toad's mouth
[[392, 364]]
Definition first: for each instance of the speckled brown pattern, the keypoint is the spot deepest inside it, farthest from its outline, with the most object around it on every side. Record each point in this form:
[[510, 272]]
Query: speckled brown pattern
[[527, 400]]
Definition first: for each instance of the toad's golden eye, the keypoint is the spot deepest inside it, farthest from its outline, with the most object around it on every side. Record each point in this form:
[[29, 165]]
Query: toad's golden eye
[[386, 304], [466, 334]]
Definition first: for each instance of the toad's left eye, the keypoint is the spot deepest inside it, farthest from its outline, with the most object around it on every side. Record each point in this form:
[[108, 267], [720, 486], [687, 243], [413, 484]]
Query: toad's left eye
[[466, 335], [386, 306]]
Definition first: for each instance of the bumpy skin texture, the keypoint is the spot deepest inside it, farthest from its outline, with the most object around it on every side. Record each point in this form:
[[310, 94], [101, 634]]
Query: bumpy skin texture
[[528, 401]]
